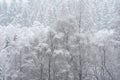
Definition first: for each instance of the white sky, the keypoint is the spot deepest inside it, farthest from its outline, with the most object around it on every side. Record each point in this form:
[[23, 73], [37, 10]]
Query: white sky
[[9, 1]]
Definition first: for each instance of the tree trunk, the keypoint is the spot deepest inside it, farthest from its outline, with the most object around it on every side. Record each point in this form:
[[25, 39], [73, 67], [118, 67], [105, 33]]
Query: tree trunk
[[80, 72], [41, 72], [49, 69], [104, 68], [20, 65]]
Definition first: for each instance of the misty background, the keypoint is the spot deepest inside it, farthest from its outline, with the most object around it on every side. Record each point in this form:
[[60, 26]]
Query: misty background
[[59, 39]]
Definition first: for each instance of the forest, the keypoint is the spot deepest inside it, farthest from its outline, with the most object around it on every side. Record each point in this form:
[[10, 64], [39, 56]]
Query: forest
[[59, 39]]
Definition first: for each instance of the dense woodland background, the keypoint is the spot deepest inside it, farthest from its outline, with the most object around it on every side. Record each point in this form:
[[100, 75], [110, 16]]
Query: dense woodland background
[[60, 40]]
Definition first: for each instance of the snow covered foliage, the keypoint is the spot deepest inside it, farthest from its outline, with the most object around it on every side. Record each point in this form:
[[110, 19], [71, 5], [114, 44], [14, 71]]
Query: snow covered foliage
[[59, 39]]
